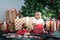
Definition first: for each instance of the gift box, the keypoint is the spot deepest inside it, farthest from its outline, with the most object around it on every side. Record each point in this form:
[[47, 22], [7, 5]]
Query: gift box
[[50, 25], [3, 28], [11, 27], [8, 27], [25, 20], [29, 23], [58, 24], [11, 15], [19, 23], [0, 25]]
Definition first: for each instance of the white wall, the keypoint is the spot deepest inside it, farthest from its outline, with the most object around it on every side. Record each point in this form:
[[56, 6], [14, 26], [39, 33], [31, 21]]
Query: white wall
[[8, 4]]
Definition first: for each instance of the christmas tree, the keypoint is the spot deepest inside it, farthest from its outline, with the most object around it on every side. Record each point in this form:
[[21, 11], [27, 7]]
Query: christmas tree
[[48, 8]]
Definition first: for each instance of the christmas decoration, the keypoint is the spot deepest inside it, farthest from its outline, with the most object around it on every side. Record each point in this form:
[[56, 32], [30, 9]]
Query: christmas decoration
[[19, 23], [51, 0], [59, 15], [58, 24], [25, 20], [48, 8], [52, 25]]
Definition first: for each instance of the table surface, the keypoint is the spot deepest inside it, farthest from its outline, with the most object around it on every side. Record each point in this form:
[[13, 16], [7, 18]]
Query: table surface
[[55, 34]]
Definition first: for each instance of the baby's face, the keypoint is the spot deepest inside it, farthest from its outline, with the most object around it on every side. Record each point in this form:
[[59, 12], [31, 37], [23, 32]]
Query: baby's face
[[38, 15]]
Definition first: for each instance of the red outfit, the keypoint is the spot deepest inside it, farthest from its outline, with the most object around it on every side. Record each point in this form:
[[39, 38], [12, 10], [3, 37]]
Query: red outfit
[[38, 29]]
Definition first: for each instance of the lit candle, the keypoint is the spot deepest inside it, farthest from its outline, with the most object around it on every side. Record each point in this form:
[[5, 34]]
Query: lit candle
[[5, 25]]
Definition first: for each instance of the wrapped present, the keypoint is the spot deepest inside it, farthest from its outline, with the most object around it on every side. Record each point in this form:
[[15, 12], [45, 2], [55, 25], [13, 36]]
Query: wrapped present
[[55, 28], [0, 25], [47, 25], [29, 23], [58, 24], [11, 27], [53, 25], [25, 20], [7, 27], [19, 23], [3, 28], [11, 15], [50, 25]]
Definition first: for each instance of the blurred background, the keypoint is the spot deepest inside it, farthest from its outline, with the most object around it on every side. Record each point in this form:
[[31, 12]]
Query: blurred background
[[9, 4]]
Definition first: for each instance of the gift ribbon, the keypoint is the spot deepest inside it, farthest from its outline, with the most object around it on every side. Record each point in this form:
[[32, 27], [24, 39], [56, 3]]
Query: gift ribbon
[[51, 25], [10, 16], [57, 24]]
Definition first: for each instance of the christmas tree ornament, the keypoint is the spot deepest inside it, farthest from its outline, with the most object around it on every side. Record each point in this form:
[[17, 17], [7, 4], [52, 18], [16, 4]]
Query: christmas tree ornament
[[51, 0]]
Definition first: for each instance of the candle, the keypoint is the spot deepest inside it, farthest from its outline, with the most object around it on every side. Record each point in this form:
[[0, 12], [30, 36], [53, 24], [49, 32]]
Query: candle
[[5, 25]]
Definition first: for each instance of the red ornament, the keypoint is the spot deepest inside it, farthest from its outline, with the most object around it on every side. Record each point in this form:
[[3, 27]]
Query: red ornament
[[59, 15], [51, 0]]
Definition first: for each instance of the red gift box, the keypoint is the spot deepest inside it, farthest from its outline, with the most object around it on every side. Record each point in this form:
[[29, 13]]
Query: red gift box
[[2, 27], [7, 27]]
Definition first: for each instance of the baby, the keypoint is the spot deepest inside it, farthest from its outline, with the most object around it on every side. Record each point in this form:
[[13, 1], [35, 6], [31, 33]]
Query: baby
[[38, 24], [37, 19]]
